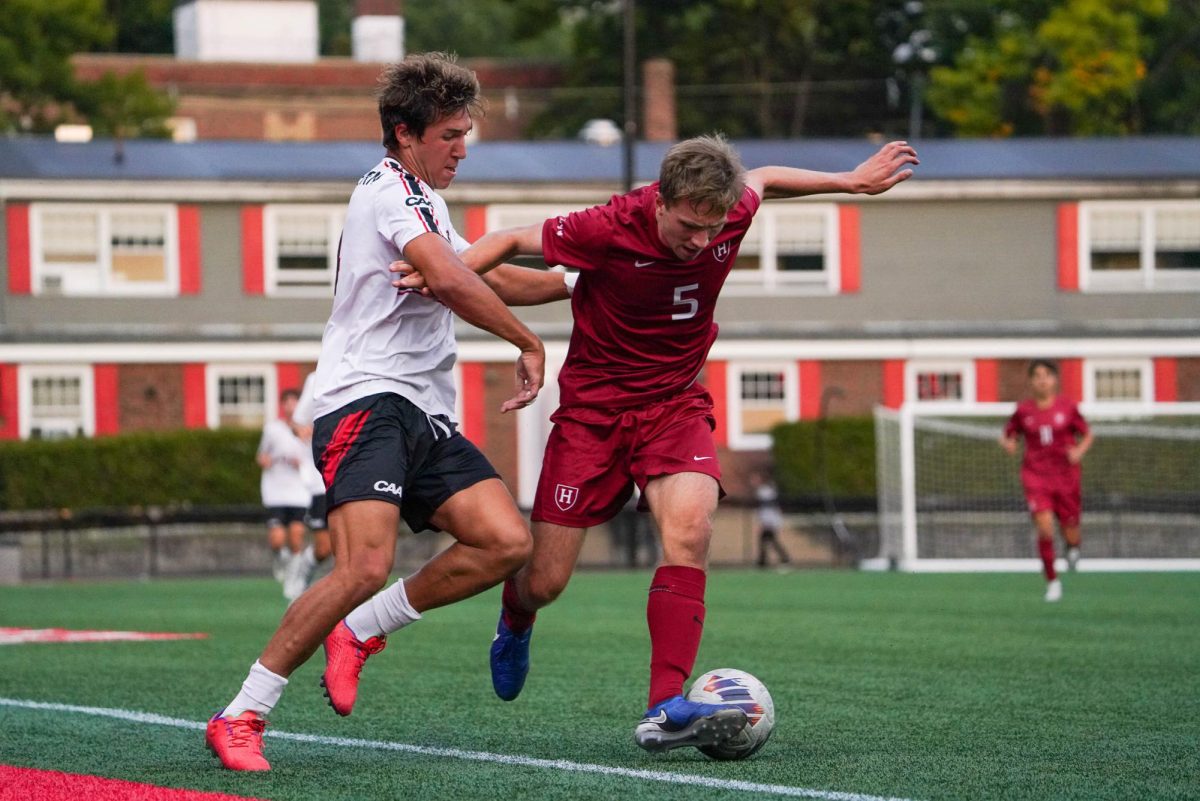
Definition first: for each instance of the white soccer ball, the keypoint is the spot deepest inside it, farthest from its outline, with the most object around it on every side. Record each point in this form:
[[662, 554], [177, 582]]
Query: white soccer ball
[[731, 687]]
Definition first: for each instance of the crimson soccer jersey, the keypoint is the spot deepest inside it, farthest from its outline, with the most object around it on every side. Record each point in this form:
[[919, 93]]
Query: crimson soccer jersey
[[643, 319], [1049, 433]]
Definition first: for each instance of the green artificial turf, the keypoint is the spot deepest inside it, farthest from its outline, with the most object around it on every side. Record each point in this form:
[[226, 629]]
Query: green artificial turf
[[913, 686]]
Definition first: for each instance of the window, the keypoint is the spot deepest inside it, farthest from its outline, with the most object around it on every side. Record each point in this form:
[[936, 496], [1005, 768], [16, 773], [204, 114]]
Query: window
[[56, 402], [760, 397], [1118, 382], [1126, 246], [519, 215], [790, 247], [81, 249], [241, 396], [301, 249], [940, 382]]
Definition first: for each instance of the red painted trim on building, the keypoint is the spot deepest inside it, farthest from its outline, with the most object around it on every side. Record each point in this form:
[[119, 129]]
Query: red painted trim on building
[[893, 383], [475, 220], [20, 279], [195, 396], [189, 249], [987, 380], [105, 385], [1070, 379], [253, 278], [810, 389], [10, 427], [1166, 380], [288, 375], [715, 378], [474, 403], [1068, 247], [850, 248]]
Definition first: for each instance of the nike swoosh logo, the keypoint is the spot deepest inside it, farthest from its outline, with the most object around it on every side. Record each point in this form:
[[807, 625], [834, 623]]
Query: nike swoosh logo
[[700, 458], [661, 717], [642, 263]]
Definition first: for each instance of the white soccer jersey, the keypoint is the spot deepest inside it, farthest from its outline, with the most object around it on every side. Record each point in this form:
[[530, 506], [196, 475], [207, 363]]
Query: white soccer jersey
[[303, 417], [378, 338], [283, 482]]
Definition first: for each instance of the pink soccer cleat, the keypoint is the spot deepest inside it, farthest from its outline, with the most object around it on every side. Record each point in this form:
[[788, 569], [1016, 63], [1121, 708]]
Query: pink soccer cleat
[[344, 658], [237, 741]]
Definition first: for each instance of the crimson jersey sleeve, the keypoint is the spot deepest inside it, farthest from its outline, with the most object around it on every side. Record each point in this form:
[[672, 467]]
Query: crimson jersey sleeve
[[1078, 424], [578, 240], [1013, 426]]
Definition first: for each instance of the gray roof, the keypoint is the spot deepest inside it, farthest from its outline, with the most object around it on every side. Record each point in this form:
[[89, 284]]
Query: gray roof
[[1131, 158]]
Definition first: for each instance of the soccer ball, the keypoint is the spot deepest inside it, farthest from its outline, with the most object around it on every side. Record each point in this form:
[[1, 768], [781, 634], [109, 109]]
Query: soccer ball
[[737, 688]]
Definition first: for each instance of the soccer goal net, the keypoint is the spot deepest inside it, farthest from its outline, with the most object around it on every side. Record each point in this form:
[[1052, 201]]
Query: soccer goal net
[[950, 497]]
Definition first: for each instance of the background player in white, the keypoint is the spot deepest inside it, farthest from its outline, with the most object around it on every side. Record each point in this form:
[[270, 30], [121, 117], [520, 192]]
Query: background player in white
[[300, 572], [385, 433], [281, 455]]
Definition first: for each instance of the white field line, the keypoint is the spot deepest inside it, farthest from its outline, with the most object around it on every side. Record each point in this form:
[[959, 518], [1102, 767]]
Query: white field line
[[472, 756]]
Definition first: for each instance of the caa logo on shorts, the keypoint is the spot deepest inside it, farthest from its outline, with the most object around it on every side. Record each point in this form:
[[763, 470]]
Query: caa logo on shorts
[[565, 496], [387, 486]]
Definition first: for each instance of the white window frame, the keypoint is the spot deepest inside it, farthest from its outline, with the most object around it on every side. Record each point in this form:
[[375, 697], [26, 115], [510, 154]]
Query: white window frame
[[335, 218], [1144, 367], [212, 389], [740, 440], [912, 369], [1148, 277], [768, 278], [26, 373], [108, 286]]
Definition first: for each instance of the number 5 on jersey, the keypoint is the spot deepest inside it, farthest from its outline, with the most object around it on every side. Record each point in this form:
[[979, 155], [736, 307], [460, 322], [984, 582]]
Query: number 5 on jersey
[[692, 304]]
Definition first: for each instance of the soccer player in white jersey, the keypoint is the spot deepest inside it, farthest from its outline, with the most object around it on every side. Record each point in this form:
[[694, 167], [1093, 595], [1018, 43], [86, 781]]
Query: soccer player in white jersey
[[281, 455], [384, 435], [299, 572]]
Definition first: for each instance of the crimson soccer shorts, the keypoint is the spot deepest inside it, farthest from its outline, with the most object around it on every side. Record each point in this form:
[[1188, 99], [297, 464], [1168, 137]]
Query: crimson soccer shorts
[[1057, 494], [594, 457], [384, 448]]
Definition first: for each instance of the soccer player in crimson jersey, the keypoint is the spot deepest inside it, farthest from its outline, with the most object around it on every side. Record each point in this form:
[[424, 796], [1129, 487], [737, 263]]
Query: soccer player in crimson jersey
[[1056, 439], [651, 264]]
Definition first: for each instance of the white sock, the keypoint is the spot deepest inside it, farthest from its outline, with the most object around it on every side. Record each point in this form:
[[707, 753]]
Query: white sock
[[310, 561], [260, 692], [387, 611]]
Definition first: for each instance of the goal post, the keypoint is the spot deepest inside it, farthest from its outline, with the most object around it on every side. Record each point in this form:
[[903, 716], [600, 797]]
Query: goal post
[[950, 497]]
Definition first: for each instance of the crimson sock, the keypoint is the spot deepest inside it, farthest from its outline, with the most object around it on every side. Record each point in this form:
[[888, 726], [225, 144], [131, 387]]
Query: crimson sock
[[1046, 550], [515, 616], [675, 613]]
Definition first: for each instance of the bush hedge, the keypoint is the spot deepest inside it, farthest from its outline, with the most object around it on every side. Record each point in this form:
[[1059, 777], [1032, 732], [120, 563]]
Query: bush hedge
[[849, 452], [179, 467]]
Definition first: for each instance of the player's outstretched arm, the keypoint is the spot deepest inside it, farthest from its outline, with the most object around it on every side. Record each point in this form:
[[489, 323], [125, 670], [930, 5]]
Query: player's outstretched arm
[[877, 174], [526, 286], [498, 247], [465, 294]]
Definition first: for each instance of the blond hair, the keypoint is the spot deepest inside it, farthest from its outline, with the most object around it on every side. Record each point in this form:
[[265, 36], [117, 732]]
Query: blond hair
[[706, 171], [422, 89]]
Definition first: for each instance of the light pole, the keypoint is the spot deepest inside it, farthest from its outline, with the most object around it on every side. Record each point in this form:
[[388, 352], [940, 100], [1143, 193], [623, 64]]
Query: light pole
[[630, 59]]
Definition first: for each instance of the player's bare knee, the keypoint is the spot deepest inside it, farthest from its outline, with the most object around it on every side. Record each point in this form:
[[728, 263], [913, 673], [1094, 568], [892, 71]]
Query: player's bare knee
[[543, 591], [511, 549]]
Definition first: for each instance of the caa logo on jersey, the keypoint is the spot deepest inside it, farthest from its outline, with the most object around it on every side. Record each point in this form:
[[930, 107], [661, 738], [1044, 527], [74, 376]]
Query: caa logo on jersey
[[417, 200], [565, 497], [721, 251], [387, 486]]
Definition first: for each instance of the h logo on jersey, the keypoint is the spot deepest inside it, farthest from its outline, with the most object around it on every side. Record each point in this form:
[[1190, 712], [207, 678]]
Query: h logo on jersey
[[565, 496], [721, 251]]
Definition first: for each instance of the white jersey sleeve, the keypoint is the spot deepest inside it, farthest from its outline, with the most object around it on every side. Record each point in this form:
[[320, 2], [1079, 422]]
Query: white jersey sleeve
[[303, 415], [403, 212]]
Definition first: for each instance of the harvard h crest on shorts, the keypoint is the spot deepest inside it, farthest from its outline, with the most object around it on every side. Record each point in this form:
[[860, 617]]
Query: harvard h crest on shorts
[[565, 496]]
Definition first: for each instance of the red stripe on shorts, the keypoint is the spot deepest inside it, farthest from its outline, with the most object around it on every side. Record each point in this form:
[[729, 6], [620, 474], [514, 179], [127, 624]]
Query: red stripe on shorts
[[52, 785], [347, 431]]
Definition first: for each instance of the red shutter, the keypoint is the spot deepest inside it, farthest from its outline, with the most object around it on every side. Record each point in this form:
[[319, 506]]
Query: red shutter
[[1070, 378], [848, 239], [1068, 247], [893, 383], [253, 280], [20, 281], [476, 222], [189, 250], [195, 396], [108, 405], [987, 381], [715, 380], [9, 424], [1166, 383], [288, 375], [810, 389], [474, 403]]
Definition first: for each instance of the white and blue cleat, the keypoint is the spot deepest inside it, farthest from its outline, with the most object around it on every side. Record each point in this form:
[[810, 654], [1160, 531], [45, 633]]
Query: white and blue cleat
[[678, 722]]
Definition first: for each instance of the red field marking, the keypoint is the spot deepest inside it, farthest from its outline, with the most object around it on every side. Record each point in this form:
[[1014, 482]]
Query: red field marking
[[16, 636], [27, 784]]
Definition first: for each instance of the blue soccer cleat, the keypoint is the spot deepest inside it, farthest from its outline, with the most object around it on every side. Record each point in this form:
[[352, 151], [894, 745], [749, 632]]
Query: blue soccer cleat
[[510, 660], [677, 722]]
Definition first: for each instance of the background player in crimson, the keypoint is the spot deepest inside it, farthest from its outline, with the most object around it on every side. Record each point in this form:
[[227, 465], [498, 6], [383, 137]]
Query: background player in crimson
[[651, 264], [1056, 439]]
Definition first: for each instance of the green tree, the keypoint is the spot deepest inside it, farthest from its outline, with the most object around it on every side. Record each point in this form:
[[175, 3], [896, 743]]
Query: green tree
[[125, 106], [142, 26], [1169, 101]]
